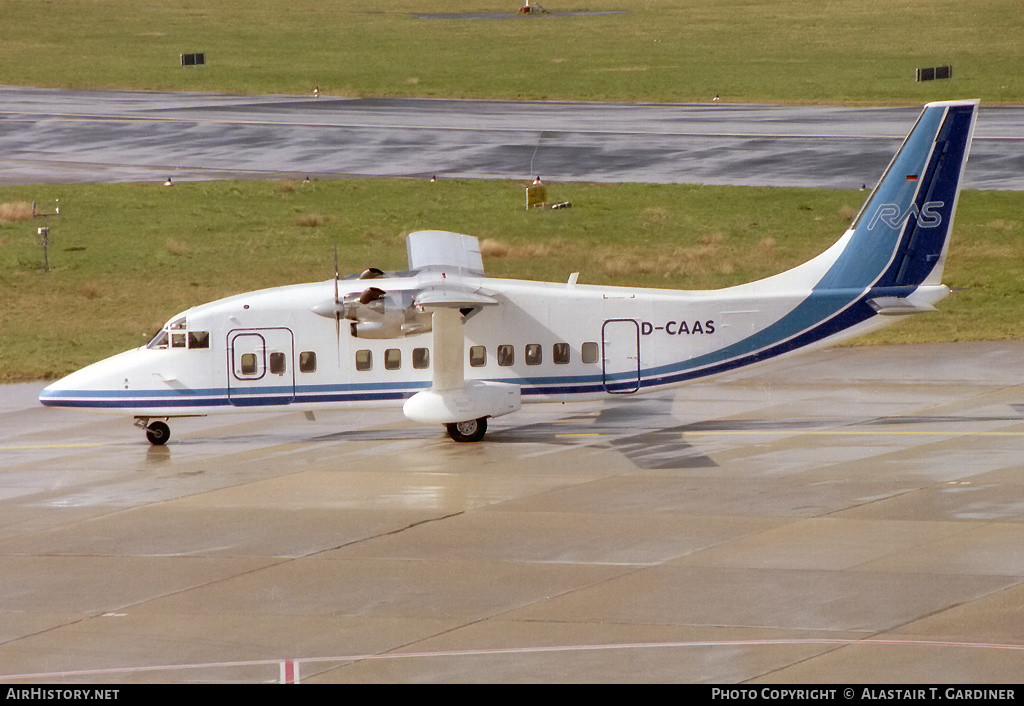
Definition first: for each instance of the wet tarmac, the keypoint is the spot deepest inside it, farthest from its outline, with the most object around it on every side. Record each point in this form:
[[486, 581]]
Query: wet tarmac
[[853, 515]]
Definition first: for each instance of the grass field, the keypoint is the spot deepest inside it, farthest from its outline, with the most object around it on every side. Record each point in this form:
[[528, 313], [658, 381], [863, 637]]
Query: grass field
[[127, 257], [803, 51]]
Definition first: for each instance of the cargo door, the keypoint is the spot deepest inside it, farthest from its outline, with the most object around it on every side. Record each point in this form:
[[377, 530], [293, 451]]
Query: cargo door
[[620, 343]]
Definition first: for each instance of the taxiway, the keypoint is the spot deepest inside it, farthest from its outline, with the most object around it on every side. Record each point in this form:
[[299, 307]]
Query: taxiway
[[66, 136]]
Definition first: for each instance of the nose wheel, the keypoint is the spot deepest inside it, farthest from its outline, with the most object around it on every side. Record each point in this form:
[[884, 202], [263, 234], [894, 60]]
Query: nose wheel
[[157, 432], [472, 430]]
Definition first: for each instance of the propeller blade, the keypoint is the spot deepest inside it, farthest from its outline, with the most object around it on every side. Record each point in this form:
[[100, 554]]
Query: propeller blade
[[337, 302]]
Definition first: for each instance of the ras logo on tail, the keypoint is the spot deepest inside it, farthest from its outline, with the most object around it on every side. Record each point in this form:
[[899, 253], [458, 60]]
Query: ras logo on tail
[[927, 217], [452, 347]]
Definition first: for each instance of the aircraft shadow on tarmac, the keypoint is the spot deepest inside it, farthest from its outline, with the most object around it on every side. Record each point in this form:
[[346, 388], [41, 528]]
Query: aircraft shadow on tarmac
[[660, 446]]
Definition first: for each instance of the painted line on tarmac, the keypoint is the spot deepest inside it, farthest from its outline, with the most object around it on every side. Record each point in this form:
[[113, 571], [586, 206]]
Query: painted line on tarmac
[[784, 432], [33, 116], [793, 432], [28, 447], [518, 650]]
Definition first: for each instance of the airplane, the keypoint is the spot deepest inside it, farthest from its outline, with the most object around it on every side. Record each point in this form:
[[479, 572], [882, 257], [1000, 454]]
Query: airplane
[[452, 347]]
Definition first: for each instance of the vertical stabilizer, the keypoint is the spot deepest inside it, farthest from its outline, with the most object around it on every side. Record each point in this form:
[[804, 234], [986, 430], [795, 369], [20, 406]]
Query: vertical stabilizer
[[901, 234]]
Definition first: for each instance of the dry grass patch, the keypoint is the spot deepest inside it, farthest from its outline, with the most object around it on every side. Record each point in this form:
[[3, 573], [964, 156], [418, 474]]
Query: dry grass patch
[[669, 263], [713, 253], [310, 220], [178, 248], [490, 247], [1002, 225], [91, 290], [654, 215], [766, 248], [847, 213], [16, 211], [493, 248], [713, 239]]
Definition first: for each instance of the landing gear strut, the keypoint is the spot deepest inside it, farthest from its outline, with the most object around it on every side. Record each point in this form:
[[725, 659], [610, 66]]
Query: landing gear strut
[[472, 430]]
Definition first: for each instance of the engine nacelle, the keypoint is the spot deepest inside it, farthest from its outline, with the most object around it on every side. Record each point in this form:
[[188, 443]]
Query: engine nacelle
[[380, 314], [375, 313], [479, 398]]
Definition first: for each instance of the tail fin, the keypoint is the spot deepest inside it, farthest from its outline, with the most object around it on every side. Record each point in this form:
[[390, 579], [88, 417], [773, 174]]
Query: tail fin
[[888, 263], [900, 236]]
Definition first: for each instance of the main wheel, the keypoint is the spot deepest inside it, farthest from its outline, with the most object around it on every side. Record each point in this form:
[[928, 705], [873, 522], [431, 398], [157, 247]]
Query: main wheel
[[472, 430], [158, 433]]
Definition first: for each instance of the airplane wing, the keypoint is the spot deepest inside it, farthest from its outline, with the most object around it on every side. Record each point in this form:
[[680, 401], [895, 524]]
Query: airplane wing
[[442, 250], [463, 406], [452, 298], [451, 253]]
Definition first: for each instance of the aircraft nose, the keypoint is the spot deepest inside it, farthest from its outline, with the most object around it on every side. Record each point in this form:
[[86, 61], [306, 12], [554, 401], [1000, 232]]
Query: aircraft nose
[[52, 393], [92, 386]]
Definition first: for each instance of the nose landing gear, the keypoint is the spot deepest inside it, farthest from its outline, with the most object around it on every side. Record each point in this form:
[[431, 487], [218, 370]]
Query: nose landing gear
[[156, 432]]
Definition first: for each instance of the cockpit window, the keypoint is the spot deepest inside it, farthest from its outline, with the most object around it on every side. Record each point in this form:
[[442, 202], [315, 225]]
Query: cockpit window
[[159, 340], [176, 335]]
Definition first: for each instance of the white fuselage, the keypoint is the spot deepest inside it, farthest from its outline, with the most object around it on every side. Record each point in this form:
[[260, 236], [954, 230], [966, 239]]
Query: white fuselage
[[268, 351]]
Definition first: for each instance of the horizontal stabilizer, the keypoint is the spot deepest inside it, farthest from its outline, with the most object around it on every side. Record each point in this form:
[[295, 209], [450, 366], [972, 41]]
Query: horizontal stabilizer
[[898, 306]]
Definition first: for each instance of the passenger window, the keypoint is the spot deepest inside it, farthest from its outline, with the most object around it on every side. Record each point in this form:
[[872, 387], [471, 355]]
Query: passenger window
[[478, 356], [248, 364], [198, 339], [506, 355], [307, 362], [534, 354], [364, 360], [177, 340], [560, 353], [420, 358], [277, 363], [589, 352], [392, 359]]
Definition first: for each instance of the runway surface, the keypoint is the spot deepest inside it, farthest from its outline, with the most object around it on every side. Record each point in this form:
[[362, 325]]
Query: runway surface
[[854, 515], [62, 136]]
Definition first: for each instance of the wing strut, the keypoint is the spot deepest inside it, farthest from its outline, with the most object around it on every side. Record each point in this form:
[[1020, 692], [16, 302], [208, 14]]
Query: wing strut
[[463, 406], [449, 344]]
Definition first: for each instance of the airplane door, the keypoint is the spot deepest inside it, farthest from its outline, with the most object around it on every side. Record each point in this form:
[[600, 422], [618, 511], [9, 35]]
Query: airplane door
[[260, 367], [620, 343]]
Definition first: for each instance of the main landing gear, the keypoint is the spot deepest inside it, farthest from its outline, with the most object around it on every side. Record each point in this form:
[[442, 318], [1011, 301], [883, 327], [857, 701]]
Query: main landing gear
[[157, 432], [472, 430]]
